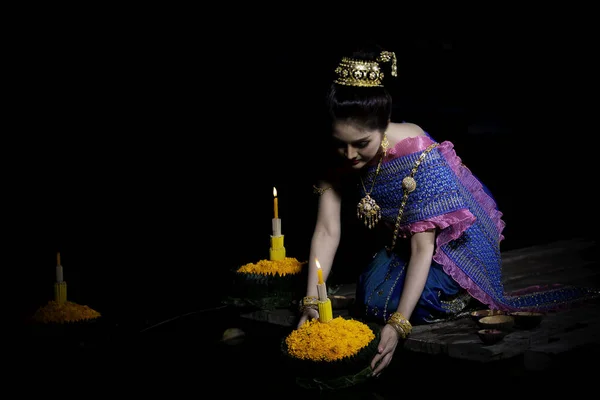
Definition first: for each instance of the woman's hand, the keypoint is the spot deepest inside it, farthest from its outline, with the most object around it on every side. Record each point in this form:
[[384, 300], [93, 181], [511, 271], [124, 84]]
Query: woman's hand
[[307, 314], [385, 350]]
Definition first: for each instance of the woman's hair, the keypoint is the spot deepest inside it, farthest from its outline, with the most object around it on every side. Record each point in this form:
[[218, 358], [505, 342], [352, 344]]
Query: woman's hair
[[369, 107]]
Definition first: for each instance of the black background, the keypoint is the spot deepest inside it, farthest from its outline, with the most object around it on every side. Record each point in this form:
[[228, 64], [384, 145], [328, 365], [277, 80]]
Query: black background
[[146, 151]]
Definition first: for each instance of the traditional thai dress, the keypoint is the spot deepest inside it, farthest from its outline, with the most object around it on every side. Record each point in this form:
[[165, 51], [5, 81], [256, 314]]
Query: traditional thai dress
[[467, 263]]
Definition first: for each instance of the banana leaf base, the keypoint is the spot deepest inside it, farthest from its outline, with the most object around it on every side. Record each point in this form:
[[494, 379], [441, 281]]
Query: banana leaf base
[[336, 375], [265, 292]]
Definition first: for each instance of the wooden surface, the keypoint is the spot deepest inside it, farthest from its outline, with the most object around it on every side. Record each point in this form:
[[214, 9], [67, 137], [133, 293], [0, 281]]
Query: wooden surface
[[578, 329]]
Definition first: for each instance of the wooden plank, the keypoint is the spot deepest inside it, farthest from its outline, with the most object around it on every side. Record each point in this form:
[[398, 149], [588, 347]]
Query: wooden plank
[[548, 355], [549, 250], [561, 262], [282, 317], [276, 317], [458, 339]]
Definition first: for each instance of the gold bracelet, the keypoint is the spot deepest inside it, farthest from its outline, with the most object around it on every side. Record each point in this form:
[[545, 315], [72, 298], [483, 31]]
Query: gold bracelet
[[309, 302], [400, 324], [402, 321], [320, 191]]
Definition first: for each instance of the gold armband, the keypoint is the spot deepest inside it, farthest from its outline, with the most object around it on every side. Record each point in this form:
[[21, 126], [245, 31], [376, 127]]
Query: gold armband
[[400, 324], [309, 302], [320, 191]]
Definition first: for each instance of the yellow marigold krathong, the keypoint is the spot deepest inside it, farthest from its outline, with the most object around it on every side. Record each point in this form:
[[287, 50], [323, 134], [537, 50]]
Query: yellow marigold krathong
[[54, 312], [287, 266], [334, 340]]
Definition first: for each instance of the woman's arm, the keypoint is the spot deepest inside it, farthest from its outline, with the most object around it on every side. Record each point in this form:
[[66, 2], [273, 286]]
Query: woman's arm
[[325, 239], [324, 244], [422, 246]]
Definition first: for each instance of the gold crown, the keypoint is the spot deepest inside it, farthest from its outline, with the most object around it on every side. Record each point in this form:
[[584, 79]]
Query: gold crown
[[353, 72]]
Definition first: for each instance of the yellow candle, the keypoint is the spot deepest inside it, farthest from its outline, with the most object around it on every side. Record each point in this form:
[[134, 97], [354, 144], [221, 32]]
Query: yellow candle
[[319, 272], [321, 288], [60, 292], [325, 311], [275, 204]]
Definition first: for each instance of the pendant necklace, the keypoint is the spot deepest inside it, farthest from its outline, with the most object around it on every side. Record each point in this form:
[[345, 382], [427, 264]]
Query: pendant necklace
[[368, 210]]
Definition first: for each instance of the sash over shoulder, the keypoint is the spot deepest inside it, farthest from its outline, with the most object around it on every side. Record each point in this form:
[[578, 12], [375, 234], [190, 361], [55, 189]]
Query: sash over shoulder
[[450, 199]]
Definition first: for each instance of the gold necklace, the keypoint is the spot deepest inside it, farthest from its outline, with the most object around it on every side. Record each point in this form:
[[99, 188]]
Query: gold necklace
[[409, 184], [367, 209]]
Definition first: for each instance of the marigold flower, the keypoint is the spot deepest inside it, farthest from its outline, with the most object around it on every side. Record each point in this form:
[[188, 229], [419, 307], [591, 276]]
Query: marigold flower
[[287, 266], [334, 340], [55, 312]]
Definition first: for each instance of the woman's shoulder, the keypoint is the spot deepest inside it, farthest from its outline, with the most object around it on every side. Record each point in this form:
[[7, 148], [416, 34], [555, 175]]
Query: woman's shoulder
[[398, 131], [410, 128], [406, 138]]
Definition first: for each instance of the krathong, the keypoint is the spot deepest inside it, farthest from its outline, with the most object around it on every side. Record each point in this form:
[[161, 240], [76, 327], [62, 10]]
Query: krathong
[[331, 341], [55, 312], [287, 266]]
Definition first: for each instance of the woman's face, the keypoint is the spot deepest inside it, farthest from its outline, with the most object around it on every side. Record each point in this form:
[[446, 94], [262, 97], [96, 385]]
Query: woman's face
[[357, 145]]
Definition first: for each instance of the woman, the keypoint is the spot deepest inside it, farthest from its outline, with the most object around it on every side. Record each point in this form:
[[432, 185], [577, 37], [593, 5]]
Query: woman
[[441, 248]]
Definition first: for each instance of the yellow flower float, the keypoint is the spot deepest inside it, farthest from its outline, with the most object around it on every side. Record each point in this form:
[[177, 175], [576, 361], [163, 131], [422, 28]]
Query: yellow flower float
[[267, 284], [287, 266], [338, 339], [331, 355], [64, 313]]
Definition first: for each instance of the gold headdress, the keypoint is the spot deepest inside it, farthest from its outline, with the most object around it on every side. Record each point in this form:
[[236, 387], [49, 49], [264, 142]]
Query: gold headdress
[[353, 72]]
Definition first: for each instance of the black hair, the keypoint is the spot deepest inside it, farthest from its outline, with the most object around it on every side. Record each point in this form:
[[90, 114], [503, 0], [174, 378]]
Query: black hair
[[370, 107]]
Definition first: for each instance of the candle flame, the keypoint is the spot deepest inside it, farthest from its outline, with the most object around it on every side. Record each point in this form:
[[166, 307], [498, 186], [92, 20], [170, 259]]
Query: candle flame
[[320, 282], [274, 192]]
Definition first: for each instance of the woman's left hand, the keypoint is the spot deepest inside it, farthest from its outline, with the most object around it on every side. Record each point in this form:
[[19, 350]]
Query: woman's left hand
[[385, 350]]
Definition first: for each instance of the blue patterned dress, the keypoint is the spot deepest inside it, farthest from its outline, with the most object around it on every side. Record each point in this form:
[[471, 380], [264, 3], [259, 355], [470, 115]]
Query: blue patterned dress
[[467, 264]]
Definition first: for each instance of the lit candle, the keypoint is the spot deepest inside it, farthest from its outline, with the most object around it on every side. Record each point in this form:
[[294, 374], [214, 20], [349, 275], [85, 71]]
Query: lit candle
[[275, 203], [276, 222], [319, 272], [59, 269], [325, 310], [321, 288], [324, 303]]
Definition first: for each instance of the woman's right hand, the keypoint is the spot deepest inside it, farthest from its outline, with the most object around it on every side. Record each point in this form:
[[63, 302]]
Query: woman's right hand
[[307, 314]]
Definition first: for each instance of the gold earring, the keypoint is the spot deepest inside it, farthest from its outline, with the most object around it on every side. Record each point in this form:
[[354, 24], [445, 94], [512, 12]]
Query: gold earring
[[385, 144]]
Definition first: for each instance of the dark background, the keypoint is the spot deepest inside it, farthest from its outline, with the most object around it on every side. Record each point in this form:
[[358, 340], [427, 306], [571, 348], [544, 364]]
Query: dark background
[[146, 151]]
